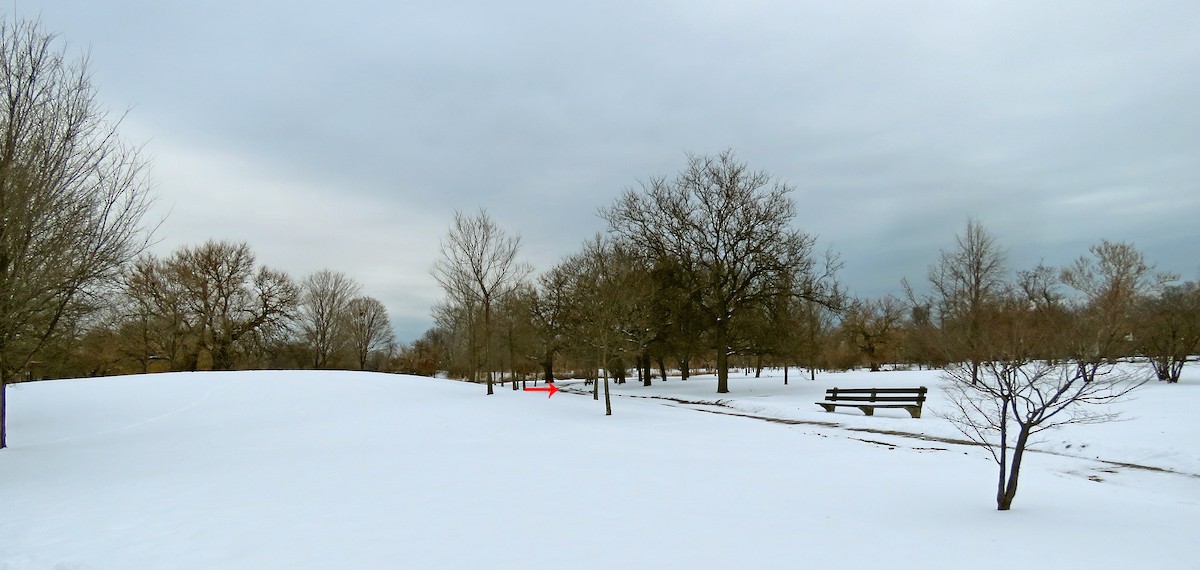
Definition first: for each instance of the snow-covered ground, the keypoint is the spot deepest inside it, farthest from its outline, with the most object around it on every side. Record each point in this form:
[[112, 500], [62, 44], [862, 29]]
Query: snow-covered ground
[[352, 470]]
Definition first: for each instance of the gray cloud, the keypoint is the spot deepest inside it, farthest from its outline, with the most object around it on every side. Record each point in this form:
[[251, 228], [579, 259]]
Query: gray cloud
[[343, 135]]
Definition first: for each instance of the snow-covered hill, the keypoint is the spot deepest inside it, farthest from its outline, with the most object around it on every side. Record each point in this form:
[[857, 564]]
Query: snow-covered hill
[[353, 470]]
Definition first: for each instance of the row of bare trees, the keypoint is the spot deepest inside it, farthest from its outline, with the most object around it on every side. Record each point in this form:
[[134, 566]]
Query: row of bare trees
[[213, 307], [1107, 305], [704, 267], [701, 265]]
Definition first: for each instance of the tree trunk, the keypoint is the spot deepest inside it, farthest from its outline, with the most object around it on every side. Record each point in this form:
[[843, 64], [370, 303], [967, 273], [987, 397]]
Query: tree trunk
[[548, 367], [722, 358], [646, 368], [596, 383], [3, 411], [512, 358], [1167, 368], [487, 341], [685, 368], [1009, 488], [222, 358], [607, 398], [662, 369], [785, 374], [758, 366]]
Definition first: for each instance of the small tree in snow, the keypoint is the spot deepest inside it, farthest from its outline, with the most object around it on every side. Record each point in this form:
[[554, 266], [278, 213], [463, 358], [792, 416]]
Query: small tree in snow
[[1012, 395]]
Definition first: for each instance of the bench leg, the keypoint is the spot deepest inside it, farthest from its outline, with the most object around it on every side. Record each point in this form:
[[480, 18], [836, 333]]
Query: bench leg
[[868, 410], [914, 411], [827, 407]]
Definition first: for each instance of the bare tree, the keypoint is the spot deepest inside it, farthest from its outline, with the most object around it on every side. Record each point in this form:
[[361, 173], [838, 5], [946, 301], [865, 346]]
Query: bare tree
[[1168, 329], [162, 324], [1111, 283], [966, 282], [522, 342], [1012, 395], [478, 266], [368, 328], [548, 307], [788, 326], [875, 327], [72, 194], [607, 288], [424, 357], [727, 230], [815, 320], [456, 325], [227, 301], [921, 337], [324, 301], [680, 325], [1049, 314]]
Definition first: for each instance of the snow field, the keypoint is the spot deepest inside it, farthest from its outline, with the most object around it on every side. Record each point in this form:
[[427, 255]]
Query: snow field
[[337, 469]]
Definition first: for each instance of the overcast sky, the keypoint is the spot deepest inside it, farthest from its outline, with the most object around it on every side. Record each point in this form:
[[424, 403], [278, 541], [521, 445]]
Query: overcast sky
[[343, 135]]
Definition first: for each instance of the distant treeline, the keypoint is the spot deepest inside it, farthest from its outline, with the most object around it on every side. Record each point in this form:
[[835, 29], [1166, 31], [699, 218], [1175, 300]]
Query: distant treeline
[[704, 267]]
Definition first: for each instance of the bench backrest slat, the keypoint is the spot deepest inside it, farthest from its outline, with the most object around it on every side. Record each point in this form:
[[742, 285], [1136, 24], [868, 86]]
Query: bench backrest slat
[[921, 390], [876, 394], [845, 398]]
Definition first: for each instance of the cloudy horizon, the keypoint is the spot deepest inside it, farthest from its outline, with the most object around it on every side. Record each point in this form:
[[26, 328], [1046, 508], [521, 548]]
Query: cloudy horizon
[[344, 135]]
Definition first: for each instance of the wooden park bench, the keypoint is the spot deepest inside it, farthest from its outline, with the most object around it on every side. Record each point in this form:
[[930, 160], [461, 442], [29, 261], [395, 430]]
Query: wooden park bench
[[867, 399]]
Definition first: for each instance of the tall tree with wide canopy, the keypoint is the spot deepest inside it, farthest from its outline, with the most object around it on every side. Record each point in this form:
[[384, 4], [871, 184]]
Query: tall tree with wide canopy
[[727, 229]]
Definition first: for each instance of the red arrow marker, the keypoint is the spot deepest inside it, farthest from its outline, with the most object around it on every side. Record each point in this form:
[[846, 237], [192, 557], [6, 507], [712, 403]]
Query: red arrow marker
[[550, 388]]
